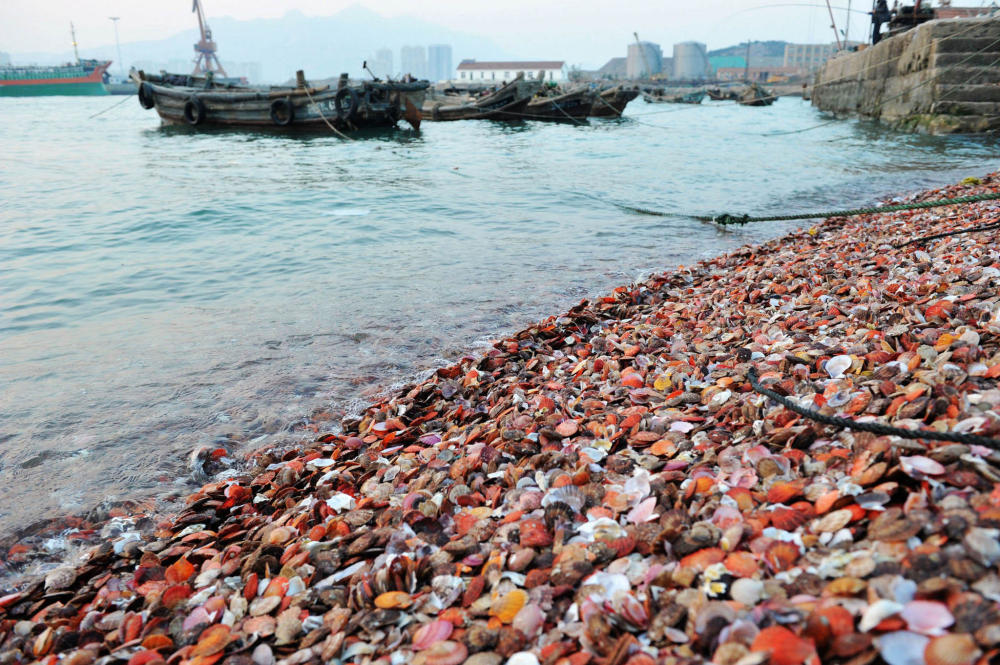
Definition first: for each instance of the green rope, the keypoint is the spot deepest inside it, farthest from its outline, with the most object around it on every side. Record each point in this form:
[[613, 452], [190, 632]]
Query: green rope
[[727, 219]]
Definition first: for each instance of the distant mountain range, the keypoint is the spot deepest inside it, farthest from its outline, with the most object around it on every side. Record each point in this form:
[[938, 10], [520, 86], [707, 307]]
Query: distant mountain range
[[323, 46]]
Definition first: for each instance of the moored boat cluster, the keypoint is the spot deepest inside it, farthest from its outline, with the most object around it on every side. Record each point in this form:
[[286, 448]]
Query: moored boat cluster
[[606, 487]]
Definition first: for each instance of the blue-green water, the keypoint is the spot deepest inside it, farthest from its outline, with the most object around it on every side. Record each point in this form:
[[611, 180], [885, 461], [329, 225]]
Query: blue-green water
[[162, 289]]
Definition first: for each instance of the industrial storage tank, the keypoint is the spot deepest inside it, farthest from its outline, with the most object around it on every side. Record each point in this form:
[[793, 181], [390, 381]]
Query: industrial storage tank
[[690, 61]]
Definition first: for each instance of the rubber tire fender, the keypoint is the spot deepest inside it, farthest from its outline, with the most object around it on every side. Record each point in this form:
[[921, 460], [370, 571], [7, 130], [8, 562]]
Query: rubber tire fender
[[145, 95], [352, 107], [194, 110], [282, 106]]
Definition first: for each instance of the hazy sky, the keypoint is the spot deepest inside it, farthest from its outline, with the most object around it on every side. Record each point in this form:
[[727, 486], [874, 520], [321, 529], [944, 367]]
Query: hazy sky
[[562, 29]]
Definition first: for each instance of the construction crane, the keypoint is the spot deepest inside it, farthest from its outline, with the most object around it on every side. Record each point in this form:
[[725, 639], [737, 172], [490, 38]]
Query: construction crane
[[206, 60], [642, 54]]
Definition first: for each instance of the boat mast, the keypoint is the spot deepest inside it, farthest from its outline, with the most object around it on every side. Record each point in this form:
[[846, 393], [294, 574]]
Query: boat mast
[[72, 31], [833, 24], [118, 47], [206, 60], [746, 65], [847, 29]]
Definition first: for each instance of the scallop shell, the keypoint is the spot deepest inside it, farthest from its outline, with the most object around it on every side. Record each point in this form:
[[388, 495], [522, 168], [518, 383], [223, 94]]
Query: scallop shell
[[442, 653], [431, 633], [837, 365], [918, 465], [902, 647], [784, 646], [877, 612], [569, 494], [927, 617], [952, 649], [506, 607], [393, 600], [529, 620], [212, 641]]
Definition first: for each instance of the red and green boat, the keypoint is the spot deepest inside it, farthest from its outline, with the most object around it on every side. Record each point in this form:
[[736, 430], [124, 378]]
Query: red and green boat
[[86, 77]]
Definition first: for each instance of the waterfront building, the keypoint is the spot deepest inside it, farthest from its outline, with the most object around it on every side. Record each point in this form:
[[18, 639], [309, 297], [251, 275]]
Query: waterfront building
[[947, 11], [413, 61], [644, 59], [690, 61], [381, 63], [439, 62], [763, 74], [810, 57], [471, 70], [717, 62]]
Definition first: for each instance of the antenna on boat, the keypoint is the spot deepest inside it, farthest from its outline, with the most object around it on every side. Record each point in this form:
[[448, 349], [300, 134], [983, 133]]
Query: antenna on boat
[[833, 24], [72, 31], [364, 66], [121, 65]]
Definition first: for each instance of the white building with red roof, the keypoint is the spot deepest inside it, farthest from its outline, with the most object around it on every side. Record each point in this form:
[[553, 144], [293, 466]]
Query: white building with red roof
[[486, 72]]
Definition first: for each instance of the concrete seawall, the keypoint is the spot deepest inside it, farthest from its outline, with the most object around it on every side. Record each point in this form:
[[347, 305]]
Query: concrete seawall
[[940, 78]]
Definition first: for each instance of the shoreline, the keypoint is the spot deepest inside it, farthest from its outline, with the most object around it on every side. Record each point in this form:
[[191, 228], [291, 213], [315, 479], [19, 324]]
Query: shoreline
[[606, 482]]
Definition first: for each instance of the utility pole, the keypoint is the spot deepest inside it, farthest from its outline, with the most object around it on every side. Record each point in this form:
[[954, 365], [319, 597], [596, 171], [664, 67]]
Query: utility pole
[[847, 30], [118, 47]]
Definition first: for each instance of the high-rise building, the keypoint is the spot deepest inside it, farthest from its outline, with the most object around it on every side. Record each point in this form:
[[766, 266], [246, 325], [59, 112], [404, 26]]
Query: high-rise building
[[439, 62], [381, 63], [413, 61], [644, 60]]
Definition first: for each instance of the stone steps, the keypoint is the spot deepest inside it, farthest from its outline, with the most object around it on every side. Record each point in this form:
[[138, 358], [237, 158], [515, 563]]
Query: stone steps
[[968, 93]]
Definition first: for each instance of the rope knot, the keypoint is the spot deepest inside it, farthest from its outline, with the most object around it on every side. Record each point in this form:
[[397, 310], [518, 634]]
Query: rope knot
[[725, 219]]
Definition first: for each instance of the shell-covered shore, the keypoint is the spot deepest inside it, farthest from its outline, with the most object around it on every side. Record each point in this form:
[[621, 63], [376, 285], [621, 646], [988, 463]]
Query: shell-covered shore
[[606, 487]]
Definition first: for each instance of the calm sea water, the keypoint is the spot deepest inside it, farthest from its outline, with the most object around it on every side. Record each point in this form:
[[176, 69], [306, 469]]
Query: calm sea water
[[162, 289]]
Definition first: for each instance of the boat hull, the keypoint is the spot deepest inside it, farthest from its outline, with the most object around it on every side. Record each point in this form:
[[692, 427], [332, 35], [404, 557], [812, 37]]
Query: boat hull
[[80, 89], [612, 103], [287, 108], [572, 106]]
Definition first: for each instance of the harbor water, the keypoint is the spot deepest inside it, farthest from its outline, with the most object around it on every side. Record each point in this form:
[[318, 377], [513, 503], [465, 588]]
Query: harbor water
[[162, 290]]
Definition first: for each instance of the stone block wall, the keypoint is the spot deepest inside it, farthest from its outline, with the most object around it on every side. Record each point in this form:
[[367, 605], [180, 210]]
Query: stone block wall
[[941, 77]]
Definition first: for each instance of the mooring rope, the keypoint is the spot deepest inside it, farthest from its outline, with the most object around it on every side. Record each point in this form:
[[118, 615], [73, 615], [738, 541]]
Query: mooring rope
[[113, 106], [320, 111], [728, 219], [873, 427]]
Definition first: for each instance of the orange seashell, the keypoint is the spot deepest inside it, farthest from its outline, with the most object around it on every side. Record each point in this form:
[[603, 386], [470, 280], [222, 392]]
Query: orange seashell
[[826, 623], [318, 532], [393, 600], [454, 616], [534, 533], [506, 607], [781, 492], [212, 640], [845, 586], [784, 647], [663, 448], [250, 589], [633, 380], [157, 641], [952, 649], [788, 519], [567, 428], [702, 559], [175, 595], [780, 555], [180, 571], [145, 657], [130, 627], [474, 590], [43, 643], [276, 587], [742, 564]]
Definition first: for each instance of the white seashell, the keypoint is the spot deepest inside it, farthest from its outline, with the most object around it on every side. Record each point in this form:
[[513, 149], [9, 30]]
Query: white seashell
[[341, 501], [681, 426], [918, 464], [263, 655], [837, 365], [321, 463], [570, 495], [877, 612], [747, 591], [643, 512], [523, 658]]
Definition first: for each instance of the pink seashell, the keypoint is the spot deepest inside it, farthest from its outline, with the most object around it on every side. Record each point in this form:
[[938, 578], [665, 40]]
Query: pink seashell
[[431, 633], [675, 465], [643, 512], [681, 426], [745, 478], [918, 464], [726, 516], [198, 616], [632, 610], [529, 620], [926, 617]]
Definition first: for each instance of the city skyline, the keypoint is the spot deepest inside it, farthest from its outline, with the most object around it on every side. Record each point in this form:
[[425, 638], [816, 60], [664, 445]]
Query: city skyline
[[586, 37]]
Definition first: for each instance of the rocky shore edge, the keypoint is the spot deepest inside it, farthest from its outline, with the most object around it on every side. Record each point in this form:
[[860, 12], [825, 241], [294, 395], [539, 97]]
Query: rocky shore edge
[[606, 487]]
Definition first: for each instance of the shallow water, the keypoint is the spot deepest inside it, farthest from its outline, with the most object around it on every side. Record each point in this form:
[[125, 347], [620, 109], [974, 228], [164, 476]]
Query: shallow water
[[162, 289]]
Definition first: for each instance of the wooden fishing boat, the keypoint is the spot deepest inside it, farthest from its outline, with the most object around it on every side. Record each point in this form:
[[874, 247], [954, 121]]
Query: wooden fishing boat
[[756, 95], [720, 95], [611, 103], [658, 97], [506, 103], [201, 102], [574, 105]]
